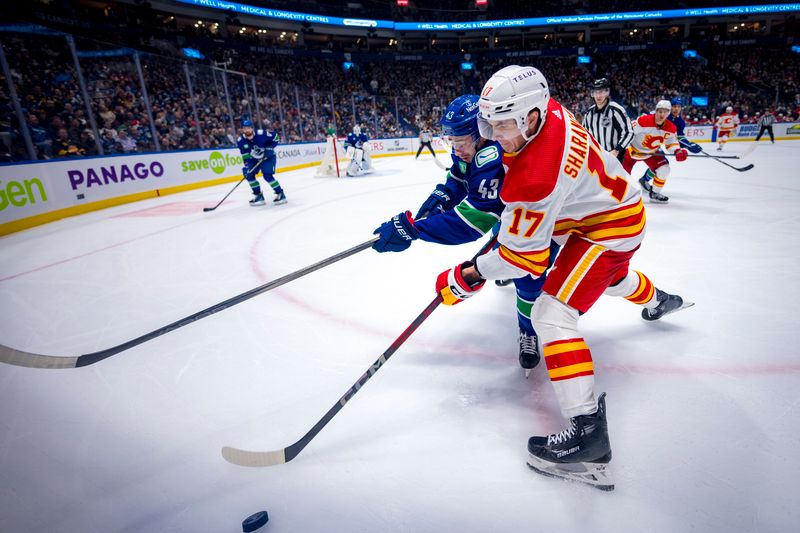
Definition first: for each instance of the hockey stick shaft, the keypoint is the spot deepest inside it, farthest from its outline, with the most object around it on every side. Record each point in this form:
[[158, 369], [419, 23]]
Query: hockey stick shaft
[[254, 169], [719, 160], [27, 359], [208, 209], [284, 455], [714, 156]]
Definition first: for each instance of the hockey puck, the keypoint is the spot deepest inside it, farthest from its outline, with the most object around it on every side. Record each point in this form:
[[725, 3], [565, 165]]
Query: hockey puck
[[255, 521]]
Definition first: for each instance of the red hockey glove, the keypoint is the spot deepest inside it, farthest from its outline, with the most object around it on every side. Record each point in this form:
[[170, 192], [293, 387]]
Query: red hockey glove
[[453, 287], [681, 154]]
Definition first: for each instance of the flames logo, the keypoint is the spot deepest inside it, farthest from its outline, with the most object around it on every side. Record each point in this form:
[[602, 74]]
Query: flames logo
[[652, 142]]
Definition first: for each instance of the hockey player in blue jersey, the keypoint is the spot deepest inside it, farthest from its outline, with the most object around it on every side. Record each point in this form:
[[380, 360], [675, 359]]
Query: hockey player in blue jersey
[[676, 118], [466, 207], [357, 147], [258, 152]]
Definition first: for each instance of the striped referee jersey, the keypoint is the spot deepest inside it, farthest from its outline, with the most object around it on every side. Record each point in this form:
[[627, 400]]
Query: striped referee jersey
[[610, 126]]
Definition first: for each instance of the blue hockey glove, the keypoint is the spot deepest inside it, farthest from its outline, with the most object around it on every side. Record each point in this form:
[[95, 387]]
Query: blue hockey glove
[[438, 202], [396, 235], [689, 145]]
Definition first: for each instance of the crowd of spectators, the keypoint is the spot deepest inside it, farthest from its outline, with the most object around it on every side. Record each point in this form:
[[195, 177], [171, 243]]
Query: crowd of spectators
[[303, 97]]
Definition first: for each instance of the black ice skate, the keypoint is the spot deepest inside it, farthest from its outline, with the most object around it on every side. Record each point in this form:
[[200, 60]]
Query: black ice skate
[[580, 453], [657, 197], [503, 282], [646, 187], [667, 303], [280, 198], [528, 352], [258, 199]]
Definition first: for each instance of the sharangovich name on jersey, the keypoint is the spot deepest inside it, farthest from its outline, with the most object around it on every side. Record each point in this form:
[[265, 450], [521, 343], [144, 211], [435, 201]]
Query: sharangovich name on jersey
[[19, 194], [216, 161]]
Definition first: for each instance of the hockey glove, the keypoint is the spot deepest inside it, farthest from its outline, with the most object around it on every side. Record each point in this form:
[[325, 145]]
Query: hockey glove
[[453, 287], [396, 234], [689, 145], [437, 202], [681, 154]]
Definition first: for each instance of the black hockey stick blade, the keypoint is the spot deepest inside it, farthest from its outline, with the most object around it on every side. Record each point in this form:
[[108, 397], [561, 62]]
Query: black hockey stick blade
[[250, 458], [15, 357]]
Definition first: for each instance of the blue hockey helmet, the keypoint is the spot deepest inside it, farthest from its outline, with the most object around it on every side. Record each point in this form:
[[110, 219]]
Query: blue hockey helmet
[[461, 116], [676, 101], [247, 123]]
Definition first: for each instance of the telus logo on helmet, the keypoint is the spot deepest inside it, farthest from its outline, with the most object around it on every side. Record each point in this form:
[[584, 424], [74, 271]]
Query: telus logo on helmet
[[523, 75]]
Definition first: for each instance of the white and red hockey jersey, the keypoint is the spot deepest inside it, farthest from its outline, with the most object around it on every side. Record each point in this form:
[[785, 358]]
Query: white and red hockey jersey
[[648, 137], [727, 121], [562, 183]]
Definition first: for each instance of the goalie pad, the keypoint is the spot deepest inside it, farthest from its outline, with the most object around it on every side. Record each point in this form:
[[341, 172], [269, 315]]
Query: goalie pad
[[356, 166]]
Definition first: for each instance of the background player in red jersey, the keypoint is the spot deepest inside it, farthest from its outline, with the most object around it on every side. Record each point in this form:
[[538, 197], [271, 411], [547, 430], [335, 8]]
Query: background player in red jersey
[[651, 132], [726, 124]]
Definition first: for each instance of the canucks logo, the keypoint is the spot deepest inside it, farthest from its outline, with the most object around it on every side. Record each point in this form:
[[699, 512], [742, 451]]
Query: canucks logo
[[486, 155]]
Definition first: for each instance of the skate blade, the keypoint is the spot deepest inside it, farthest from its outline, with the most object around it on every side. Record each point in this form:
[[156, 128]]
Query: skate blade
[[256, 204], [528, 372], [280, 202], [681, 308], [597, 475]]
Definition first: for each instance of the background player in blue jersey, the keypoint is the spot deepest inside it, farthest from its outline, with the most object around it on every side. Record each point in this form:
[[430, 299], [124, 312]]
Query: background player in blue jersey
[[466, 207], [258, 152], [357, 147], [676, 118]]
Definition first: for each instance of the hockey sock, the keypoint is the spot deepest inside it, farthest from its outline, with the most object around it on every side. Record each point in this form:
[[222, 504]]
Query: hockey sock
[[648, 175], [254, 185], [636, 288], [274, 184]]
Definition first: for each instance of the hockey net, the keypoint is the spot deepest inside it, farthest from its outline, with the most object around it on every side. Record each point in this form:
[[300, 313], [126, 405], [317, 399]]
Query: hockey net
[[335, 160]]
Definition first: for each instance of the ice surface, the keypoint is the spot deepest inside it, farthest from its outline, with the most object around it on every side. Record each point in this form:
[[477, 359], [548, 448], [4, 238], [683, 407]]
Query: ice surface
[[700, 405]]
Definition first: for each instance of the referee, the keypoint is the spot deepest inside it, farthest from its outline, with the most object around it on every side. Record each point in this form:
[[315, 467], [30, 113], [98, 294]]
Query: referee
[[607, 121], [765, 122]]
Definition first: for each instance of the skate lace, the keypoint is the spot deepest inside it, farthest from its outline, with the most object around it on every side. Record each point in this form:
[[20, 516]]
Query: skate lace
[[563, 436], [526, 343]]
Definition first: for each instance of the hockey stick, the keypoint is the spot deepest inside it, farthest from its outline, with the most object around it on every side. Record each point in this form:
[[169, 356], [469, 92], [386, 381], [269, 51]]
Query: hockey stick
[[15, 357], [240, 457], [719, 160], [207, 209], [255, 168], [716, 156]]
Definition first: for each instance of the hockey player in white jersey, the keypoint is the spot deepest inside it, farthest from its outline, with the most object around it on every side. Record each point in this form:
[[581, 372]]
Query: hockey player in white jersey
[[358, 150], [561, 184]]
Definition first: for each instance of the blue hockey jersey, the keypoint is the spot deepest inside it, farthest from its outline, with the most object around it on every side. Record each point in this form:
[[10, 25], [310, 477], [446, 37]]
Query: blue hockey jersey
[[356, 141], [680, 124], [261, 145], [475, 204]]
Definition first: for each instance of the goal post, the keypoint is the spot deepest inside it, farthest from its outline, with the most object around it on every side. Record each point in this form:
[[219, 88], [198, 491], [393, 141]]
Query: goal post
[[334, 160]]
